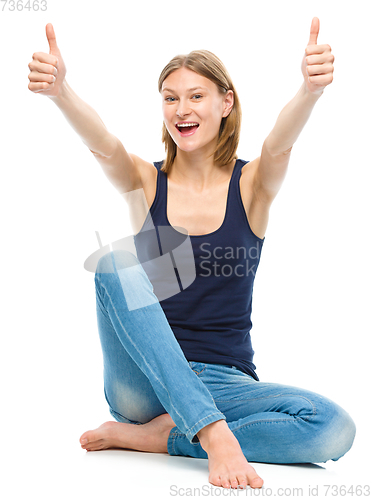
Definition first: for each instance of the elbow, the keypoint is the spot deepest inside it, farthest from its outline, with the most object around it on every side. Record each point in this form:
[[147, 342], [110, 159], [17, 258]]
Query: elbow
[[287, 151], [107, 148], [99, 155], [94, 152], [277, 151]]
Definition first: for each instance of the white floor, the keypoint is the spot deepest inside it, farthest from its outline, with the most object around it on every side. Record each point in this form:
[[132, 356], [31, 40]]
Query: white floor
[[56, 468]]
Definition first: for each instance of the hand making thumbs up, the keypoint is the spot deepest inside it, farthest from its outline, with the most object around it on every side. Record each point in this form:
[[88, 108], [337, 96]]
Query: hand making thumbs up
[[317, 64], [47, 70]]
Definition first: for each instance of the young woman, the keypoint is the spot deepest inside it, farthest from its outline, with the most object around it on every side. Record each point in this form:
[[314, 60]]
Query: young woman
[[178, 361]]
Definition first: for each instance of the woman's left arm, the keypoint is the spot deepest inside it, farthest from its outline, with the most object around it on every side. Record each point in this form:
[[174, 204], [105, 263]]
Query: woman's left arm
[[317, 69]]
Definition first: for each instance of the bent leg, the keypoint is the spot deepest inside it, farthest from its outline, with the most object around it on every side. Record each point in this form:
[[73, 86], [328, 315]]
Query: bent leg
[[128, 392], [273, 423], [149, 342]]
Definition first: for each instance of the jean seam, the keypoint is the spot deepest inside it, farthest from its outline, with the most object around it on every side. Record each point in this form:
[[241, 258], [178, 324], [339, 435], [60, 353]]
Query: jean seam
[[201, 371], [279, 421], [134, 345], [173, 448], [176, 435], [270, 397], [190, 431]]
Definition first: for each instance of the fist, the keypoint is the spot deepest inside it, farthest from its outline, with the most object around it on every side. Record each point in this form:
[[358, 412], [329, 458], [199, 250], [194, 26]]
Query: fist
[[47, 71], [317, 64]]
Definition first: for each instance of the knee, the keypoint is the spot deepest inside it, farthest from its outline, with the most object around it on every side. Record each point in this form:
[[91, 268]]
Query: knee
[[122, 267], [113, 261], [336, 435]]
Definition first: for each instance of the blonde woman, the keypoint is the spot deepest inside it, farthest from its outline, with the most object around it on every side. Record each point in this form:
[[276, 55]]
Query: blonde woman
[[178, 367]]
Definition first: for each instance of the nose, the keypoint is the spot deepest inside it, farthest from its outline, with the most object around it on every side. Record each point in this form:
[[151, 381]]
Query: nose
[[183, 108]]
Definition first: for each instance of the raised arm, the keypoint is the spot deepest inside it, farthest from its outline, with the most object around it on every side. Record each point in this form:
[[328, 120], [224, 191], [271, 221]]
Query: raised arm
[[47, 77], [317, 70]]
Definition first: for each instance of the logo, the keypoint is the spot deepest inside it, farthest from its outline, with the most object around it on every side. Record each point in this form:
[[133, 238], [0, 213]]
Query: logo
[[163, 255]]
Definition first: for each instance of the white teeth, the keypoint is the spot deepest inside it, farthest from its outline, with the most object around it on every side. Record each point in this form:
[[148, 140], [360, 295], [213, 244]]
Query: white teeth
[[187, 124]]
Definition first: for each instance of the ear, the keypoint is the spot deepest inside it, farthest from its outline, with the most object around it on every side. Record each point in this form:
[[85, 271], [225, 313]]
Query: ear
[[228, 103]]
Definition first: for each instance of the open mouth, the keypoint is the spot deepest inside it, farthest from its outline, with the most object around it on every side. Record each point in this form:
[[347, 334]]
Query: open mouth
[[187, 128]]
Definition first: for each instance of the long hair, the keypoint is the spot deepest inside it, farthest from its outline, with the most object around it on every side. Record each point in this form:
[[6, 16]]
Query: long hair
[[206, 64]]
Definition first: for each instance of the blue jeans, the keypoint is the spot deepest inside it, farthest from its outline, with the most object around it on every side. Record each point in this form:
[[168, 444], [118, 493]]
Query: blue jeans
[[146, 374]]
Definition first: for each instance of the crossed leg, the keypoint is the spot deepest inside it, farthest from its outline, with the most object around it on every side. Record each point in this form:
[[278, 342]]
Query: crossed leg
[[146, 375]]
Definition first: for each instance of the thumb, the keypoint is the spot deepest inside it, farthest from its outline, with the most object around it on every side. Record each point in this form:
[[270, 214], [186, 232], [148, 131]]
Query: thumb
[[51, 36], [314, 31]]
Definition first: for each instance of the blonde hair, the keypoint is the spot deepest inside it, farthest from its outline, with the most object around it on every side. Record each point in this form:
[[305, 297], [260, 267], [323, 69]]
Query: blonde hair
[[206, 64]]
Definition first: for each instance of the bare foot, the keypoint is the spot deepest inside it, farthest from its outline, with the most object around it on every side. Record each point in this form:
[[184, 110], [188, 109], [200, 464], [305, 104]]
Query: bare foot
[[227, 465], [152, 437]]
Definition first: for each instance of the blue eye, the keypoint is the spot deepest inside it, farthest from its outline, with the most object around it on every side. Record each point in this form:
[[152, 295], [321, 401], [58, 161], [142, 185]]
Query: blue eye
[[172, 99]]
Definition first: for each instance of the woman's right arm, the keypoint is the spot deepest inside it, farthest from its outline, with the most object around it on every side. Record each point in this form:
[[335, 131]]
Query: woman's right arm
[[47, 77]]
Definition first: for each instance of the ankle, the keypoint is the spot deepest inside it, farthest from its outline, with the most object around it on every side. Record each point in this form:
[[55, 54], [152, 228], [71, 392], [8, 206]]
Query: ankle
[[211, 432]]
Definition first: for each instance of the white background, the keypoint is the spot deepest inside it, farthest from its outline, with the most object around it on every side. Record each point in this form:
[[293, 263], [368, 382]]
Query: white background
[[311, 319]]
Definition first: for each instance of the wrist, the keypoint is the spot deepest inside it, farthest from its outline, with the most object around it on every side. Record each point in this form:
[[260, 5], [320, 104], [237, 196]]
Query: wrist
[[64, 92], [312, 96]]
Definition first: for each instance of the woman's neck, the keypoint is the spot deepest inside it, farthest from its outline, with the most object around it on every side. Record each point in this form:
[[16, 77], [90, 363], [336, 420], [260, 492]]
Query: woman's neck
[[197, 172]]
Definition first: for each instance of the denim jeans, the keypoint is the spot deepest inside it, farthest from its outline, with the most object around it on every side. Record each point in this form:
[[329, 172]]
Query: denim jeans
[[146, 374]]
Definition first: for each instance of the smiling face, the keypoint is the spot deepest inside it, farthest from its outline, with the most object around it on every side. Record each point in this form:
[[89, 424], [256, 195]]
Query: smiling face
[[189, 98]]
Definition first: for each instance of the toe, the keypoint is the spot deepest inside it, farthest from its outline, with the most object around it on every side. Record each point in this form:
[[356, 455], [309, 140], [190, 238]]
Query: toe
[[234, 482], [254, 479], [89, 440], [84, 438], [255, 482], [225, 482], [215, 480], [243, 483]]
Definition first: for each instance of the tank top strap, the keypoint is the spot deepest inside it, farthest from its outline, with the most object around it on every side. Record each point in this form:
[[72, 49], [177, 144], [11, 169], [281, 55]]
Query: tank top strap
[[158, 164], [158, 208], [235, 176], [234, 204]]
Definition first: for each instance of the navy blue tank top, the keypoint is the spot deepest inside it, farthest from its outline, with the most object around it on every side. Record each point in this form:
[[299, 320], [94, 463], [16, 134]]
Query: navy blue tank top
[[208, 304]]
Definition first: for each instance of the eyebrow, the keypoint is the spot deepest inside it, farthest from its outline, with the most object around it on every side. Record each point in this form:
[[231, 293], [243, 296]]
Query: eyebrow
[[188, 90]]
